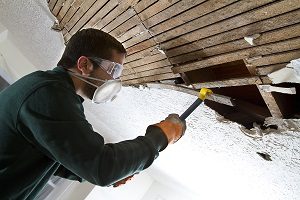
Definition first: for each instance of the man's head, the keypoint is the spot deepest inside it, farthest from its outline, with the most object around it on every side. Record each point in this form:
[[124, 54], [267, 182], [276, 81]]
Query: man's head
[[80, 51]]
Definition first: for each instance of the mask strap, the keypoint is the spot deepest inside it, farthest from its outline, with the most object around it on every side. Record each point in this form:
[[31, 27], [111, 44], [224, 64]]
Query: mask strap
[[81, 77]]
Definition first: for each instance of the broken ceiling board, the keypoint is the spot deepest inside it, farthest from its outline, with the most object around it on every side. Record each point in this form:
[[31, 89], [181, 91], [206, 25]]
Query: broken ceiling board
[[235, 69], [288, 104], [271, 103], [203, 48], [135, 75], [151, 78], [213, 97], [242, 54], [265, 70], [229, 82]]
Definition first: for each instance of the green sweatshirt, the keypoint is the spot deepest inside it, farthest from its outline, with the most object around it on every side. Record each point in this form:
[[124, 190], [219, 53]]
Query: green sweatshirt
[[44, 132]]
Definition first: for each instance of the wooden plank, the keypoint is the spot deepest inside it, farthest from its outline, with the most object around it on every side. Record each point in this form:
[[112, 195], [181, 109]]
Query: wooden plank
[[265, 70], [150, 79], [141, 46], [51, 4], [213, 97], [252, 16], [147, 73], [264, 28], [229, 82], [154, 8], [242, 54], [126, 25], [143, 4], [71, 11], [87, 16], [142, 54], [200, 22], [187, 21], [140, 28], [57, 7], [111, 4], [81, 11], [136, 20], [210, 30], [138, 38], [175, 9], [276, 58], [67, 4], [155, 65], [146, 60], [267, 97], [271, 103], [119, 20], [122, 6]]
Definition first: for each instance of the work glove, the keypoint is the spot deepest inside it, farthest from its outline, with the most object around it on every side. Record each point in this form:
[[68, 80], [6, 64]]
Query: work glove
[[123, 181], [173, 127]]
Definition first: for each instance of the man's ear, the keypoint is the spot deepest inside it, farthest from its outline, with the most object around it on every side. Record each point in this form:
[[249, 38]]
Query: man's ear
[[84, 65]]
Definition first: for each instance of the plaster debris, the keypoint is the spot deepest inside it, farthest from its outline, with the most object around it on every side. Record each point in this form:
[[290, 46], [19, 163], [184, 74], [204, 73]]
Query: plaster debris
[[250, 39], [289, 74]]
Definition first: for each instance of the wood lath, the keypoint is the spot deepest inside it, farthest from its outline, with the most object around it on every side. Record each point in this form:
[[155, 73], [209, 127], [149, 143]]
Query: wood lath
[[192, 41]]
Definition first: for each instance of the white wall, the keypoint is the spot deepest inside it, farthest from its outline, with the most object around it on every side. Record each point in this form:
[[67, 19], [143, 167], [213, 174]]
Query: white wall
[[13, 63]]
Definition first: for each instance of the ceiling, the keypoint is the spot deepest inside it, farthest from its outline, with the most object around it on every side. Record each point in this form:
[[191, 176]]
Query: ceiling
[[230, 46], [208, 156]]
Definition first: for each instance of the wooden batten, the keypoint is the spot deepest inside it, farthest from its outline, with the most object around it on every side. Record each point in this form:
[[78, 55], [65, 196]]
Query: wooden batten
[[229, 83], [199, 43]]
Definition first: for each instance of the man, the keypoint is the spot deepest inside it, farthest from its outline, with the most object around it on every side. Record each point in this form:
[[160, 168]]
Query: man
[[44, 131]]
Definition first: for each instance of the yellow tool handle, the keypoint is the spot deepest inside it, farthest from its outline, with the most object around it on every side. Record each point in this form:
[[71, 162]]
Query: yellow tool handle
[[204, 92]]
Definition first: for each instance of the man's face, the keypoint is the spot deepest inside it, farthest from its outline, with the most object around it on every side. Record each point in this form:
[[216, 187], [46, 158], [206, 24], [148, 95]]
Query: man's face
[[98, 72]]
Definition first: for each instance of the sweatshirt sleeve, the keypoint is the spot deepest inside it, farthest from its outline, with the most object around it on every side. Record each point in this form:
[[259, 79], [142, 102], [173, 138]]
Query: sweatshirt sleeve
[[52, 119]]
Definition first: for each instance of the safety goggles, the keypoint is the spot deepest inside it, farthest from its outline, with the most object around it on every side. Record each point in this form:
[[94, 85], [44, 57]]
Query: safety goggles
[[112, 68]]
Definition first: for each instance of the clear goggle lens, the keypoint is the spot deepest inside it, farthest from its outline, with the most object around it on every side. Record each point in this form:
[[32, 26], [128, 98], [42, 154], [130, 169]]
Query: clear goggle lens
[[112, 68]]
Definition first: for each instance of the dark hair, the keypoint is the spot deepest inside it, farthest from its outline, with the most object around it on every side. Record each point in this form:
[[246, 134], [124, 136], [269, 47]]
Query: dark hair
[[91, 43]]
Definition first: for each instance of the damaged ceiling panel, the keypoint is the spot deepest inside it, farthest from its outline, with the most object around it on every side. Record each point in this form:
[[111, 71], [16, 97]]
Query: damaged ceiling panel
[[230, 46]]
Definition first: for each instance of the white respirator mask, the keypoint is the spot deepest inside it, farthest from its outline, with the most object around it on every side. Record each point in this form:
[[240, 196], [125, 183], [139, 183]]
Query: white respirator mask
[[110, 88]]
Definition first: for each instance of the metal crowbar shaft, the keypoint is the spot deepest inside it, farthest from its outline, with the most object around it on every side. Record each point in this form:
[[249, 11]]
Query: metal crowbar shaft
[[204, 92]]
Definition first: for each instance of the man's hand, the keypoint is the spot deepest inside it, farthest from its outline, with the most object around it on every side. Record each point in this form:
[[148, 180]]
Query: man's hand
[[173, 127], [123, 181]]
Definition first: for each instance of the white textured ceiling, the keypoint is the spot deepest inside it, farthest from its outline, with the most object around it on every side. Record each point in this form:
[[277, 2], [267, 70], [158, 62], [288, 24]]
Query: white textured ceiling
[[214, 159], [29, 22]]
